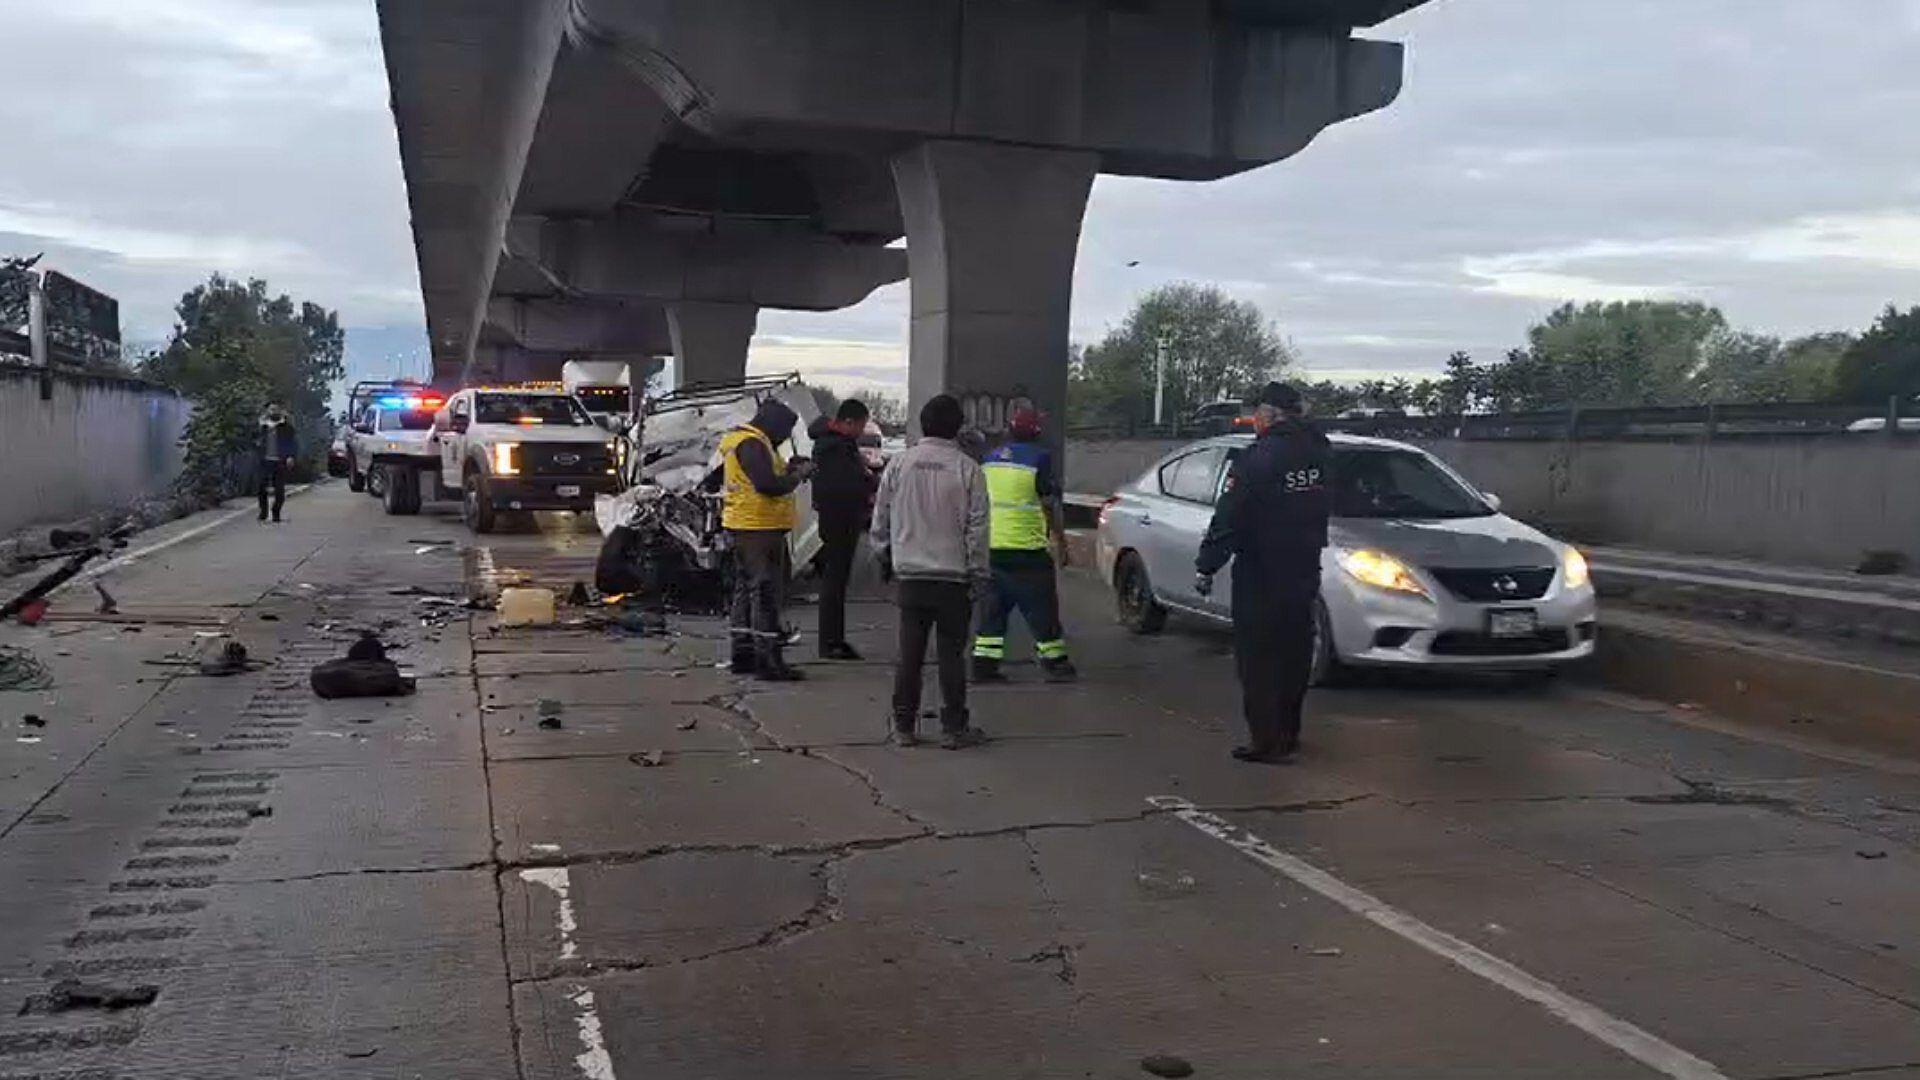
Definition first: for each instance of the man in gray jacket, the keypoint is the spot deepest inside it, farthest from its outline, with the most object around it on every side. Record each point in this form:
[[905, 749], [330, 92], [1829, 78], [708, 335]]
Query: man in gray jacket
[[930, 531]]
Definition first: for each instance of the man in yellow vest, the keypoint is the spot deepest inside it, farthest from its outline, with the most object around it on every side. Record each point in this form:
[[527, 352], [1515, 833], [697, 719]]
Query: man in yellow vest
[[1026, 541], [757, 509]]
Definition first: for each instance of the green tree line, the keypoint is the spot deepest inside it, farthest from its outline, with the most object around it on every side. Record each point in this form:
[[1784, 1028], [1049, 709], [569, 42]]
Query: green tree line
[[1620, 354]]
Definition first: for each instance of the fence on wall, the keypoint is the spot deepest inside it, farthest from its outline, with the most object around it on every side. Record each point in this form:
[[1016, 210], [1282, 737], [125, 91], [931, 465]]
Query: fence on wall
[[1894, 418]]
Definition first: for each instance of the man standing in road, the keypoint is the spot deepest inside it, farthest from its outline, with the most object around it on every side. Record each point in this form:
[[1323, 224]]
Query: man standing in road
[[930, 530], [1027, 541], [279, 445], [758, 512], [1271, 522], [842, 493]]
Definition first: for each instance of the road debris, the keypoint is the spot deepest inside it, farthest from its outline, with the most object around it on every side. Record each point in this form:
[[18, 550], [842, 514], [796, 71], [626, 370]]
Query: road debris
[[688, 724], [232, 659], [522, 606], [364, 672], [1166, 1065], [69, 994], [31, 612], [33, 720], [21, 670], [1329, 951], [648, 759], [578, 595], [108, 605], [1871, 854]]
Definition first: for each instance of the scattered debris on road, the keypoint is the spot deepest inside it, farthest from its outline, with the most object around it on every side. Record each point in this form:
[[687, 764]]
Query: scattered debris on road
[[21, 670], [1871, 854], [33, 720], [108, 605], [232, 659], [1166, 1065], [550, 710], [688, 724], [1329, 951], [648, 759], [70, 994], [524, 606], [364, 672]]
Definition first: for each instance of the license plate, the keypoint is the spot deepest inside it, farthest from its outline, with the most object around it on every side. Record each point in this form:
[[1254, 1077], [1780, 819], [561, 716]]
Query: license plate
[[1512, 624], [567, 491]]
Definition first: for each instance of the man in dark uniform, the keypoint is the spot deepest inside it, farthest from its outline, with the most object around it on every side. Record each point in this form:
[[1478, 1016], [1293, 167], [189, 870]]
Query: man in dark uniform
[[1272, 523], [843, 490]]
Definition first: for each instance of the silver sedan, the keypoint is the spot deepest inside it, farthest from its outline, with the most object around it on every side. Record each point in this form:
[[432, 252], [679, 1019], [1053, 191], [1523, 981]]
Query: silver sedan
[[1421, 570]]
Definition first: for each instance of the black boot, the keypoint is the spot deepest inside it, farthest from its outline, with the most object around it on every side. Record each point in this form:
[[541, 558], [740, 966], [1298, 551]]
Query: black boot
[[987, 670], [1060, 670]]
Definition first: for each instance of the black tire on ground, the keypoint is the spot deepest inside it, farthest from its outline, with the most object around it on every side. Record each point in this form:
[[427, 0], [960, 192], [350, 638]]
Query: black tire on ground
[[1327, 668], [476, 504], [400, 489], [376, 480], [356, 480], [1133, 597]]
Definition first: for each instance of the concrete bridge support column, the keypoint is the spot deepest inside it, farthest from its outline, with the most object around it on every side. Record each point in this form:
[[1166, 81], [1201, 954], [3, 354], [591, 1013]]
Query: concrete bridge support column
[[992, 231], [710, 340]]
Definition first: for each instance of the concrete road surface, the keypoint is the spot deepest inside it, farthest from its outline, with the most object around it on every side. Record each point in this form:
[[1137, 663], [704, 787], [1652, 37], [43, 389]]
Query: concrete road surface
[[695, 876]]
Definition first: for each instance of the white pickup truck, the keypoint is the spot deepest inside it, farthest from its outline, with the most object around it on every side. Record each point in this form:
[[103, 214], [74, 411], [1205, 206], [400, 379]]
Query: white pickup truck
[[517, 448], [393, 437]]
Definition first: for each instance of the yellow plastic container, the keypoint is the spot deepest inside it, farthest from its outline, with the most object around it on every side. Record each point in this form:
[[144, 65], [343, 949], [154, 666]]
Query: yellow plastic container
[[526, 607]]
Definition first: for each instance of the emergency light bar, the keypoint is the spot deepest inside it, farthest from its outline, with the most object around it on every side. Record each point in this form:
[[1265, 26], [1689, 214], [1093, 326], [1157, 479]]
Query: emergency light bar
[[410, 403]]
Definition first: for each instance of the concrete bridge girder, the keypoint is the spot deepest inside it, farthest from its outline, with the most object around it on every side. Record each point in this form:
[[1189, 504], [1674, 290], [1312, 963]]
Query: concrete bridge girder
[[801, 272], [1167, 89], [579, 327]]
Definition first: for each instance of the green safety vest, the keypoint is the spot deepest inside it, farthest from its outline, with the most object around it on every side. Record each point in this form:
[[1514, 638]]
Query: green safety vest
[[1019, 521]]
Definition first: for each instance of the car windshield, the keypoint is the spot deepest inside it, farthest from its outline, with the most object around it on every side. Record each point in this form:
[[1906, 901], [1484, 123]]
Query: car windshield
[[556, 410], [414, 420], [1399, 484]]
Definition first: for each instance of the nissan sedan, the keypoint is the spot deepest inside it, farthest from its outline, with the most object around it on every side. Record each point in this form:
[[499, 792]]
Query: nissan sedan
[[1421, 570]]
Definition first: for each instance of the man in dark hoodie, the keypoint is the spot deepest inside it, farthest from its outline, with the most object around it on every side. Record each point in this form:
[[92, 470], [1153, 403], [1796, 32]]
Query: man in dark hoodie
[[843, 489], [757, 510], [278, 447]]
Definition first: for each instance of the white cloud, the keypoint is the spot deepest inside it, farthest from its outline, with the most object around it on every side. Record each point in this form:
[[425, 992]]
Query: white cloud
[[145, 245]]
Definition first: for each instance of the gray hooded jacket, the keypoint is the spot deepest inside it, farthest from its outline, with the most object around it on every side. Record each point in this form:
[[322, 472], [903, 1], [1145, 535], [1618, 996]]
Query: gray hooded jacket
[[930, 515]]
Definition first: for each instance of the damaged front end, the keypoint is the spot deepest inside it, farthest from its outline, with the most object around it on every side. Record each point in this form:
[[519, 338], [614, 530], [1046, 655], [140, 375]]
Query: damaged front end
[[664, 540]]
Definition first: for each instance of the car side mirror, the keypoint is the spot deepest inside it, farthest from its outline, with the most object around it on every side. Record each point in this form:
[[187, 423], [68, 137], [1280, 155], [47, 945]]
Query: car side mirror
[[459, 424], [363, 428], [1492, 501]]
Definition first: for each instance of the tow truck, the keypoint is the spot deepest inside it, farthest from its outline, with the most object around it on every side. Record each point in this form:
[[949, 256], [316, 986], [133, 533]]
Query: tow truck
[[604, 388], [392, 438], [524, 447]]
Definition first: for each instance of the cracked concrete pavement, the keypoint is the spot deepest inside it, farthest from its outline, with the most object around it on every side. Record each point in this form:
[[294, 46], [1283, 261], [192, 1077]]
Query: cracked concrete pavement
[[698, 876]]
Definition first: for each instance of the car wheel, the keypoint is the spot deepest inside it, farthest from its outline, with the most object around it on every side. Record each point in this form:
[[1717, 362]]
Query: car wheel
[[1133, 595], [476, 504], [356, 480], [1327, 669], [376, 481], [400, 490]]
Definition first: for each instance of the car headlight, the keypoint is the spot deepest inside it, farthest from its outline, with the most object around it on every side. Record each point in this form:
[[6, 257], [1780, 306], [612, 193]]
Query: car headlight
[[1381, 570], [503, 459], [1578, 576]]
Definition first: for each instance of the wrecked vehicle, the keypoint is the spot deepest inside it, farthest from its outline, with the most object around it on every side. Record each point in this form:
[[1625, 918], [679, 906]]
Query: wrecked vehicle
[[663, 535]]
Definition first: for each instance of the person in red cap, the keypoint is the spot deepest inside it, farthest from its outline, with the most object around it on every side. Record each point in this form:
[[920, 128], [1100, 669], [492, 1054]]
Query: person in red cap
[[1026, 541]]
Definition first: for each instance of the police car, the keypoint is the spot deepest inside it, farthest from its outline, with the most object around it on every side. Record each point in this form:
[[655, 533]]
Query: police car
[[391, 437]]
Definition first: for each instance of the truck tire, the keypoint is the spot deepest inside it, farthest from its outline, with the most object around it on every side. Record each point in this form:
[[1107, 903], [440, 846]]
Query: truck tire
[[476, 504], [356, 480], [400, 492]]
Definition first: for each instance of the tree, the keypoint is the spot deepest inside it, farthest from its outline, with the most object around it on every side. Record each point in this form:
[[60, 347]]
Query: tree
[[887, 410], [1744, 367], [236, 349], [1884, 362], [1642, 352], [1216, 347]]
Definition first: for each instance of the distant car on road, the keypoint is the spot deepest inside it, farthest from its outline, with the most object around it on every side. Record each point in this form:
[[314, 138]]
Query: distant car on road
[[1421, 571], [1879, 423], [1220, 418], [337, 457]]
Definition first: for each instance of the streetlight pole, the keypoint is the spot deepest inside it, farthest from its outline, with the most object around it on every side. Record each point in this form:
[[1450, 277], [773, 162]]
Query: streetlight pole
[[1160, 382]]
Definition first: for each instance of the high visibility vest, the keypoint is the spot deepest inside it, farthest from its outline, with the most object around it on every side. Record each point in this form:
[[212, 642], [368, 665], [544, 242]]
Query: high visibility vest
[[742, 506], [1019, 520]]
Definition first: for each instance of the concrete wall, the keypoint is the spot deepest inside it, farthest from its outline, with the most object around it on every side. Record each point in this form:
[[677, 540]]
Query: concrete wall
[[1817, 500], [99, 444]]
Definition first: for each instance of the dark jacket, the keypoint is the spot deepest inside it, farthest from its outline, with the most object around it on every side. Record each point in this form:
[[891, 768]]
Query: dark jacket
[[843, 486], [1272, 518], [278, 441]]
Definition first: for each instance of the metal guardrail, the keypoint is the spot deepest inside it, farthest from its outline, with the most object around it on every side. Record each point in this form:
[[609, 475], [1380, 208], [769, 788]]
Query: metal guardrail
[[1667, 422]]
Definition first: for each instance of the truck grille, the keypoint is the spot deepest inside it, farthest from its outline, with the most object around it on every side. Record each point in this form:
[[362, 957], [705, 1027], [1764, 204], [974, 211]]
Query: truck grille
[[1496, 586], [564, 459]]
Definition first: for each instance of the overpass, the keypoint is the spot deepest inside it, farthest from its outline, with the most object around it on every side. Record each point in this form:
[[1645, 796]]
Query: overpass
[[634, 177]]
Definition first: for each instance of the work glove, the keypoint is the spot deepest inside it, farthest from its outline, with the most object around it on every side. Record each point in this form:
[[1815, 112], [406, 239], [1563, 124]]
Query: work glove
[[1203, 584]]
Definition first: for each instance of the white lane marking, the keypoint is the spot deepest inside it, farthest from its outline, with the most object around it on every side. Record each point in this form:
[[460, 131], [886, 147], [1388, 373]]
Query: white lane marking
[[593, 1061], [555, 878], [140, 553], [1642, 1046]]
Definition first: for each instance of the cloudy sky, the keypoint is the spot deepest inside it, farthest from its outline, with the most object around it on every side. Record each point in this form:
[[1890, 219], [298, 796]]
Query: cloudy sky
[[1762, 155]]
